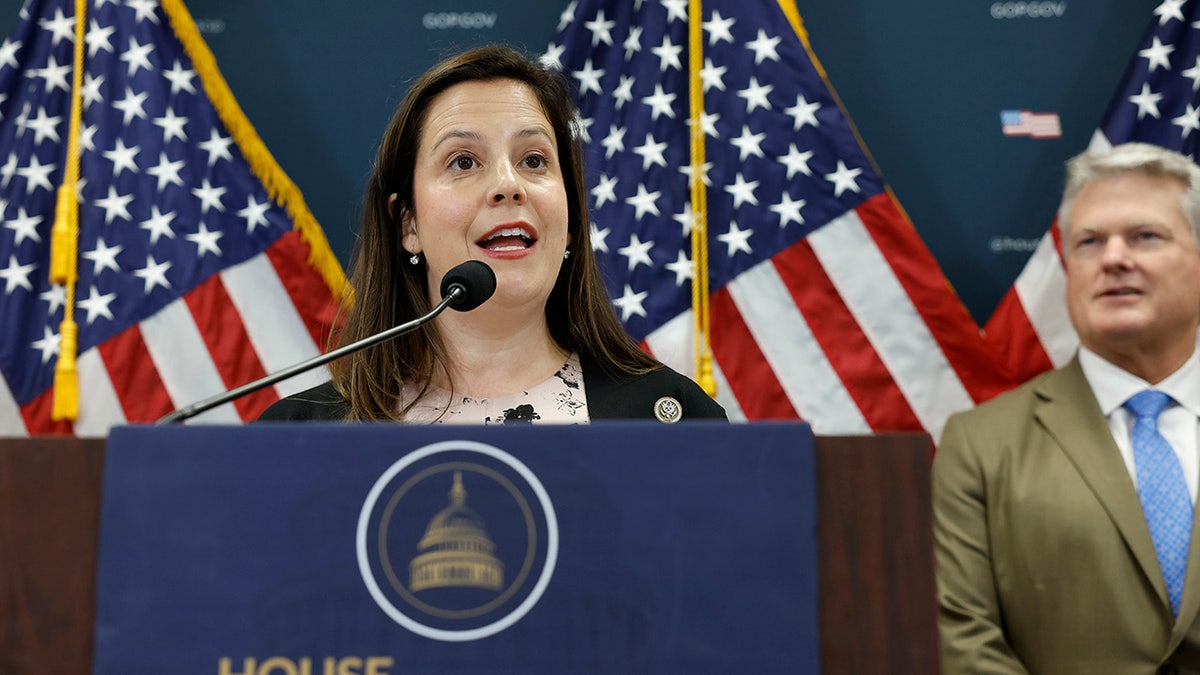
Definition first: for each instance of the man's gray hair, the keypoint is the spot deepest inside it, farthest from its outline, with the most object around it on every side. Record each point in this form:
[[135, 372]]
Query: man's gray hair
[[1140, 158]]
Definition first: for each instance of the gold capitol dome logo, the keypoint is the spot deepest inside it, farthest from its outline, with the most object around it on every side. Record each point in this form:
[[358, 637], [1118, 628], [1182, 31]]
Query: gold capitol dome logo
[[456, 551], [430, 558]]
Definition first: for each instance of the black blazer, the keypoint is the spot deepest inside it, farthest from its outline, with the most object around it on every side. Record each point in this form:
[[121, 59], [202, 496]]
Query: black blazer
[[609, 396]]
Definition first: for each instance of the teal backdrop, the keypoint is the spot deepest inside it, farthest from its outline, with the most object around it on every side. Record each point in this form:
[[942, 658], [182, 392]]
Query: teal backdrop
[[924, 82]]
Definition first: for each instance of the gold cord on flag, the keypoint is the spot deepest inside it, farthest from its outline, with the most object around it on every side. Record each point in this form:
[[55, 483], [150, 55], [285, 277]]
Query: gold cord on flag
[[277, 183], [64, 243], [700, 337]]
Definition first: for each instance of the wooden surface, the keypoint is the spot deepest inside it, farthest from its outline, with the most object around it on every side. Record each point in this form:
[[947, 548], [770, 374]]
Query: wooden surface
[[877, 601], [49, 517]]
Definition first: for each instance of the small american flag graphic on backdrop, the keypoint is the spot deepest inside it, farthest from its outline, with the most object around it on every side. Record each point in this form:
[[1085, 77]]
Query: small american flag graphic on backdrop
[[199, 266], [826, 306], [1026, 123]]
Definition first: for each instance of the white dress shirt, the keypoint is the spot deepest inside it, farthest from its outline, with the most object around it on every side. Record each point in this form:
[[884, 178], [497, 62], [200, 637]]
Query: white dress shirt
[[1179, 423]]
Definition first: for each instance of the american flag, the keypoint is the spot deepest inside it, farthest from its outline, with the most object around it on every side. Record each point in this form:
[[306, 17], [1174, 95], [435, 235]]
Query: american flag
[[1027, 123], [1158, 101], [193, 277], [826, 305]]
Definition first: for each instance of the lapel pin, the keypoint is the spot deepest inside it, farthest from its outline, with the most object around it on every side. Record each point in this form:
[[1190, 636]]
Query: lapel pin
[[668, 410]]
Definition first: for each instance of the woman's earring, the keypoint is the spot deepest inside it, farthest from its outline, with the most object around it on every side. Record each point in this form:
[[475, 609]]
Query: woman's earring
[[566, 254], [415, 259]]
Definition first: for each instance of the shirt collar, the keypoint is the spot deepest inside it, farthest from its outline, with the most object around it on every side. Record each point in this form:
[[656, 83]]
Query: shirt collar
[[1113, 386]]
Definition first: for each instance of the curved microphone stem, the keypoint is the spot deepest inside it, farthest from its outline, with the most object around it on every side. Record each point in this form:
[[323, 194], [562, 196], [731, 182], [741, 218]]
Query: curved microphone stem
[[453, 294]]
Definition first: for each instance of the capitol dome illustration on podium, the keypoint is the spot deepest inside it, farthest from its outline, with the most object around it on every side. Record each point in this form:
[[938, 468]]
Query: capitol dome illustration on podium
[[456, 551]]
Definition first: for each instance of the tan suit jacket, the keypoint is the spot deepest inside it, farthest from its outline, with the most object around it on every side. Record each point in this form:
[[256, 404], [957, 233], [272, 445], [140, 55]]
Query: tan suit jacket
[[1044, 559]]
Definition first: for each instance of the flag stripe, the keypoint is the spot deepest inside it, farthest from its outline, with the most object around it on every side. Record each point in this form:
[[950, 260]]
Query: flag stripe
[[1042, 290], [733, 408], [787, 344], [957, 335], [314, 303], [224, 335], [103, 409], [178, 350], [672, 344], [842, 340], [1021, 350], [11, 422], [273, 325], [137, 383], [888, 318], [759, 391], [37, 414]]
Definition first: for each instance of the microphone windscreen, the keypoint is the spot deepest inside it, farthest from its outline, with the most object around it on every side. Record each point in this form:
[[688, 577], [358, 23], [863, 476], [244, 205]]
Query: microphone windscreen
[[477, 280]]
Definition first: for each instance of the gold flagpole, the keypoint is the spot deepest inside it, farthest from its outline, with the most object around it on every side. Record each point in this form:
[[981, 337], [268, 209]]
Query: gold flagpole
[[701, 345]]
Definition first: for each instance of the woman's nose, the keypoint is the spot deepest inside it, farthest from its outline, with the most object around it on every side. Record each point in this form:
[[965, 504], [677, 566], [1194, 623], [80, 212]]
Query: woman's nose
[[508, 185]]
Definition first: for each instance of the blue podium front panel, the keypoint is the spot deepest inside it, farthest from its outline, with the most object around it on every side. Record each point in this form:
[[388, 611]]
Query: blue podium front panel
[[380, 549]]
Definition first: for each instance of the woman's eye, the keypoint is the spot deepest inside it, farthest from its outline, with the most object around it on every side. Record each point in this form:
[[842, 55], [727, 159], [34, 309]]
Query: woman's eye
[[535, 161], [463, 163]]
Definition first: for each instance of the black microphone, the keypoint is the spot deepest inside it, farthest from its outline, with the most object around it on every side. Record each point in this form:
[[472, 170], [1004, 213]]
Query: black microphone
[[476, 281], [465, 287]]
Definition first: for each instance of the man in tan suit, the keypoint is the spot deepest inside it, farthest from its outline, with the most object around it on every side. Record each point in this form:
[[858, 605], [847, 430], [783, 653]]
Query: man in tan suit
[[1065, 510]]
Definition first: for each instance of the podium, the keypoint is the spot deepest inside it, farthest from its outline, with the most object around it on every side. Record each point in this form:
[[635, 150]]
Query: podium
[[876, 602]]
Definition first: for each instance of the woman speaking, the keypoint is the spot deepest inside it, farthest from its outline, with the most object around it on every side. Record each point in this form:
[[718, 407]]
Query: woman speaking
[[480, 162]]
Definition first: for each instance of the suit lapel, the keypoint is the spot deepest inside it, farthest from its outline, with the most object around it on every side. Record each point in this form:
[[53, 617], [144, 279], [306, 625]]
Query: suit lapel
[[1189, 606], [1069, 412]]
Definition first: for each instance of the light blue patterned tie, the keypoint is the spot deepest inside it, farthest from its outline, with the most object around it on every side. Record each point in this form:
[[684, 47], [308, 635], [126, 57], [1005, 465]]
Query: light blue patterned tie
[[1162, 491]]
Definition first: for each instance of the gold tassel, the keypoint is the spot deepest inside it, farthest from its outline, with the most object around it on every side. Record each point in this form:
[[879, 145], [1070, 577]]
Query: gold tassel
[[66, 375], [64, 239]]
